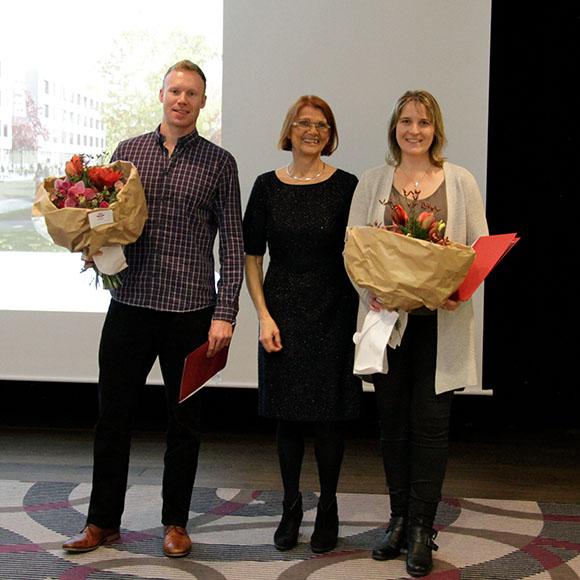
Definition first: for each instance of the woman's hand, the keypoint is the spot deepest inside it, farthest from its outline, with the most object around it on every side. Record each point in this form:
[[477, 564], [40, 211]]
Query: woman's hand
[[451, 305], [270, 335], [375, 303], [269, 332]]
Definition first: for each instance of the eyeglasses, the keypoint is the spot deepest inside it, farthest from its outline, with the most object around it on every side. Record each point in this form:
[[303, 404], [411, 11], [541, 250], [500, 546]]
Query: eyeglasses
[[304, 124]]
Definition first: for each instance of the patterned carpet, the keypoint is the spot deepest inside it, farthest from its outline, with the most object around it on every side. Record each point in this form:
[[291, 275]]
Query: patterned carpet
[[232, 533]]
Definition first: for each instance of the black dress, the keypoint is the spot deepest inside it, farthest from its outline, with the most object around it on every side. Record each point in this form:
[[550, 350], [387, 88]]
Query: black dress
[[308, 295]]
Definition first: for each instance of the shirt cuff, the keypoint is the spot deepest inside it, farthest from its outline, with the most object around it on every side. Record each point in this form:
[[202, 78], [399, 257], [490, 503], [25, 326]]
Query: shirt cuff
[[225, 313]]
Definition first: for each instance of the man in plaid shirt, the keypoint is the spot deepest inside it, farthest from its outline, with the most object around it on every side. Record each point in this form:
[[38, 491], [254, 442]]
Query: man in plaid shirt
[[167, 306]]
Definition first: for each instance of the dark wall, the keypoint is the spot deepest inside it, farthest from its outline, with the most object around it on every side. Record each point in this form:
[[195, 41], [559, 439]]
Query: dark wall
[[532, 187]]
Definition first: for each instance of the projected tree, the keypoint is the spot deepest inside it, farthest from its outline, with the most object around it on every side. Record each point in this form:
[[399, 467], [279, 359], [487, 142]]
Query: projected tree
[[133, 72], [26, 130]]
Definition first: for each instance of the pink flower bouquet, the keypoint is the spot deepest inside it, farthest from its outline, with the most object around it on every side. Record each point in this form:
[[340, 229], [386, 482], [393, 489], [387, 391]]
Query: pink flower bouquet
[[93, 210]]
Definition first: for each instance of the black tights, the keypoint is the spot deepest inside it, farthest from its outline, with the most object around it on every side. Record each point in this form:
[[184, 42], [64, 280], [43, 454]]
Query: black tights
[[414, 423], [328, 450]]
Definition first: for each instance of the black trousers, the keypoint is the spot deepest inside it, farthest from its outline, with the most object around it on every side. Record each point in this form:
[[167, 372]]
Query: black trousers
[[414, 423], [131, 341]]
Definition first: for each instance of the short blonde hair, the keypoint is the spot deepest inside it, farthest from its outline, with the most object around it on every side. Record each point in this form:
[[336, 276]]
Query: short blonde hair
[[435, 117], [186, 65], [285, 144]]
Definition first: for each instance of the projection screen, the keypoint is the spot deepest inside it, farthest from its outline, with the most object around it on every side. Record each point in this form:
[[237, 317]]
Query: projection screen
[[359, 56]]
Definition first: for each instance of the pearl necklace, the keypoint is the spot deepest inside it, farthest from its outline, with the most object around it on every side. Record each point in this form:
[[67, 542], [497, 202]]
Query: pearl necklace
[[305, 178]]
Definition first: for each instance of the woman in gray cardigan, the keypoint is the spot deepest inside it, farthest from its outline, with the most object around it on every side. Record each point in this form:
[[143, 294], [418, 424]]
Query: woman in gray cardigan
[[437, 353]]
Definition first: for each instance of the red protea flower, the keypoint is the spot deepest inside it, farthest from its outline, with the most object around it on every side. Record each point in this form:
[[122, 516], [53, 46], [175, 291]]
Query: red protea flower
[[399, 215]]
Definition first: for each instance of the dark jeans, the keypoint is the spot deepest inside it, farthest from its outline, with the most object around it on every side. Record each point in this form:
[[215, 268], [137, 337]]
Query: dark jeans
[[131, 340], [414, 423]]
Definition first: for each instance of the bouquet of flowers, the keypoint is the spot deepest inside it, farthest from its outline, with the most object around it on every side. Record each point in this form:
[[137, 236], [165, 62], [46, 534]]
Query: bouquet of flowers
[[87, 187], [409, 264], [424, 227], [95, 210]]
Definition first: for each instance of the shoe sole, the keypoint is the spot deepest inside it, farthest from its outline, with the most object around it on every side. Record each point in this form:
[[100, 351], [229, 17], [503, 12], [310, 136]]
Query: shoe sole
[[322, 550], [419, 574], [283, 548], [106, 540], [177, 554], [380, 558]]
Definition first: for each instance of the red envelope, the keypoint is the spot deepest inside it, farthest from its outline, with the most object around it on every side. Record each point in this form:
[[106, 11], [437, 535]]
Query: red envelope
[[489, 250], [198, 369]]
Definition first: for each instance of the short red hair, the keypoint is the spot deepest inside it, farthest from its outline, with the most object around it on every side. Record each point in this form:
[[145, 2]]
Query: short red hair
[[285, 144]]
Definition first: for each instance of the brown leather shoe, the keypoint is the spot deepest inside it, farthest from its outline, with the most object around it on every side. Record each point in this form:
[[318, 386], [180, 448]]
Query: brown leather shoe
[[177, 542], [90, 538]]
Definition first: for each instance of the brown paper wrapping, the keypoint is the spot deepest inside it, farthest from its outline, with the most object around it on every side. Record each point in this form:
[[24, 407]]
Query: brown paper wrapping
[[405, 272], [69, 227]]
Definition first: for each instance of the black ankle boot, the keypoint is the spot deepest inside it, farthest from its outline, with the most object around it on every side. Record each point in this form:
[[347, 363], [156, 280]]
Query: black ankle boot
[[394, 541], [325, 533], [419, 548], [286, 536]]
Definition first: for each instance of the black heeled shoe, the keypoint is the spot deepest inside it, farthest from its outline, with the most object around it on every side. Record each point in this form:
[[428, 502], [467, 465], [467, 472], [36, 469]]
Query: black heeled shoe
[[286, 535], [394, 541], [419, 550], [325, 535]]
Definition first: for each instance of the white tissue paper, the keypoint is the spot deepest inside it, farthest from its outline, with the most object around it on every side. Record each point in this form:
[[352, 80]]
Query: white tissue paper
[[379, 329], [111, 261]]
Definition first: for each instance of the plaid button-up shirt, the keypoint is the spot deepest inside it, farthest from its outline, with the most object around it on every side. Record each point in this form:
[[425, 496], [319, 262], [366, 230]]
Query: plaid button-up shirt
[[190, 196]]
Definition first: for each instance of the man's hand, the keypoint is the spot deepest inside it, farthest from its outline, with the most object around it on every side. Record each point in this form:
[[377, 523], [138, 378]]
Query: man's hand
[[89, 262], [219, 336]]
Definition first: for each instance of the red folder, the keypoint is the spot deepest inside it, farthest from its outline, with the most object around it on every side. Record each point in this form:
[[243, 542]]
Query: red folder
[[489, 250], [199, 369]]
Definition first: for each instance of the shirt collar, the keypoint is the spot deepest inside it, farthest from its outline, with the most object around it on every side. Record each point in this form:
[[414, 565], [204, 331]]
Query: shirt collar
[[185, 141]]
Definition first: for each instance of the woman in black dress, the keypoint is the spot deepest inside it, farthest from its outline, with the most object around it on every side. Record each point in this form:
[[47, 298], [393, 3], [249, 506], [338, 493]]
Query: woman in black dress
[[307, 309]]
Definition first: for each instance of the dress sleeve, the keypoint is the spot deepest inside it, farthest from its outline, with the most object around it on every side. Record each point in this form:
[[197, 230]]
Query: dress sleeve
[[255, 220]]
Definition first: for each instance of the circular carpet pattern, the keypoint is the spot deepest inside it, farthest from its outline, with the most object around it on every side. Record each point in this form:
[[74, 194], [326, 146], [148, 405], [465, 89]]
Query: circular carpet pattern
[[232, 534]]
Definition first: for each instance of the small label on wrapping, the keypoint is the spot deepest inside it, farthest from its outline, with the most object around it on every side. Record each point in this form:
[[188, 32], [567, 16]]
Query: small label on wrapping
[[101, 217]]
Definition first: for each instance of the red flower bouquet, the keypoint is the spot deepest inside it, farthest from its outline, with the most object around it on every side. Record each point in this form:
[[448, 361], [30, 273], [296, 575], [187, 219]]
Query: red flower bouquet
[[409, 264], [87, 187], [424, 227], [95, 210]]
